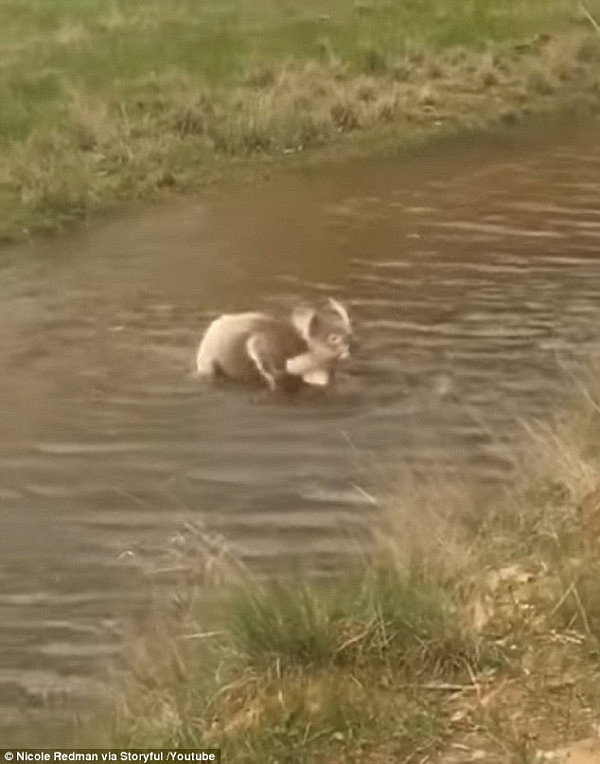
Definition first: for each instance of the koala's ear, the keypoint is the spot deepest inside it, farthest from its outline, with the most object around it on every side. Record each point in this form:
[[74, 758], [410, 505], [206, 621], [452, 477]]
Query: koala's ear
[[341, 311], [306, 321]]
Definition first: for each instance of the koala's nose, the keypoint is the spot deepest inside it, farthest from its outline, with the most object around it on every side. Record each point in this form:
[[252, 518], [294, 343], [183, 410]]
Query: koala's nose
[[353, 345], [348, 349]]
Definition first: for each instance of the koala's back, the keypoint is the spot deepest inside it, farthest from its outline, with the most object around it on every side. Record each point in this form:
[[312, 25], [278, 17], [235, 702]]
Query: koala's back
[[223, 349]]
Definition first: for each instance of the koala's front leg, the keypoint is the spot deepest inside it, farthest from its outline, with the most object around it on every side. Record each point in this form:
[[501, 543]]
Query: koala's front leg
[[255, 350]]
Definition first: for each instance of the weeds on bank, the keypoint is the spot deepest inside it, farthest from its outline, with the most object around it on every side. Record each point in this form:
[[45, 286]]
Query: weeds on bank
[[123, 101], [469, 630], [298, 668]]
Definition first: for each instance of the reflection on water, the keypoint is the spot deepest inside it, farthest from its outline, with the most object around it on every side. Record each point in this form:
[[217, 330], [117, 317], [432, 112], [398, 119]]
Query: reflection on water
[[468, 274]]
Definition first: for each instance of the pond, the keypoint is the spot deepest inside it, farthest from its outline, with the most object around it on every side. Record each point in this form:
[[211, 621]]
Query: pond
[[472, 271]]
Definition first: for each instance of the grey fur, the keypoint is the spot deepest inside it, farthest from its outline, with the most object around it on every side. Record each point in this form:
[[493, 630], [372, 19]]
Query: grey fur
[[283, 354]]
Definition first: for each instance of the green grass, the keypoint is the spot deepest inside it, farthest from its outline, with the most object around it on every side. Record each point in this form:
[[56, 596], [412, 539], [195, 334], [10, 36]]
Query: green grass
[[106, 48], [109, 101], [383, 613]]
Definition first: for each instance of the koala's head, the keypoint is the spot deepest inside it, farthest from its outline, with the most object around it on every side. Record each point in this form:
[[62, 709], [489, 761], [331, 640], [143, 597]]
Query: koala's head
[[327, 331]]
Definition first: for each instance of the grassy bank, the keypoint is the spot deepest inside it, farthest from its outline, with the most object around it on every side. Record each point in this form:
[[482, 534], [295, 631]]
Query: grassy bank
[[107, 101], [470, 631]]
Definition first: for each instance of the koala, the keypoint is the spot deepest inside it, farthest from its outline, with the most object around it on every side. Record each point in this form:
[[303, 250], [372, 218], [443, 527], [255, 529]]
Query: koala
[[283, 354]]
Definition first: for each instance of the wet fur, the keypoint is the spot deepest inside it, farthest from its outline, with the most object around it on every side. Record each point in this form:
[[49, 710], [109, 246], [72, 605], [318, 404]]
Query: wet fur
[[235, 346]]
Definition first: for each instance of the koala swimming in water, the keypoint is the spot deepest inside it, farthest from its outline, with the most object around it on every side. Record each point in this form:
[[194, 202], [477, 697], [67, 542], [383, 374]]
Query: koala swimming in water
[[283, 354]]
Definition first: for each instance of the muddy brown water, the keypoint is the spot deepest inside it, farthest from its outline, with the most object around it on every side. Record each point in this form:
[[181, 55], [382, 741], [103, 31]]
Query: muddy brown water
[[469, 270]]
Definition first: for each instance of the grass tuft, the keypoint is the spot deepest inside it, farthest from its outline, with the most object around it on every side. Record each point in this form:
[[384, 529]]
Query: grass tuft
[[288, 623]]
